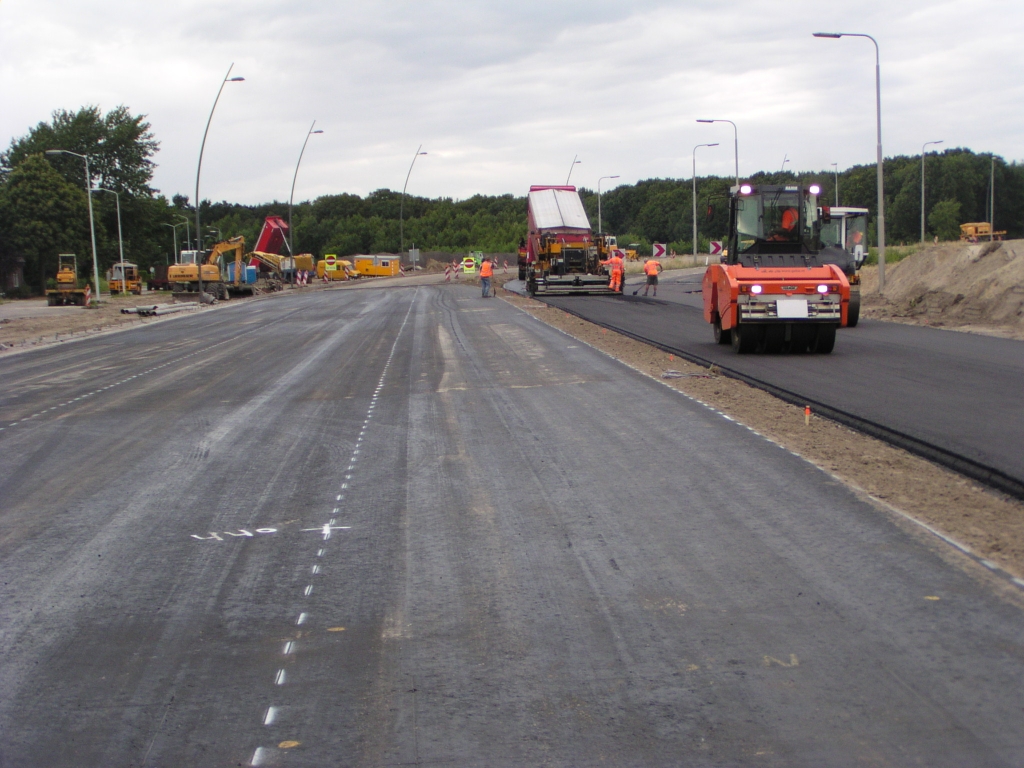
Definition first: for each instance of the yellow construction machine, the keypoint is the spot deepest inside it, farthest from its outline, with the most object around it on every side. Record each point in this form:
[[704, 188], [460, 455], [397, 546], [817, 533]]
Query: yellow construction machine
[[976, 231], [67, 290], [129, 282], [184, 276]]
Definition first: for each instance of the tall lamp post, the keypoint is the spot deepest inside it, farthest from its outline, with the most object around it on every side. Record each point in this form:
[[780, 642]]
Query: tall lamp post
[[575, 162], [188, 235], [401, 205], [694, 157], [291, 197], [92, 225], [735, 141], [836, 167], [174, 227], [878, 121], [120, 240], [199, 237], [926, 144], [599, 229]]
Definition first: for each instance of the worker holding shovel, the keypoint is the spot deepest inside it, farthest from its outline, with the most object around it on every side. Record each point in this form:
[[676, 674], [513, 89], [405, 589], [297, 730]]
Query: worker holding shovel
[[651, 268], [486, 272]]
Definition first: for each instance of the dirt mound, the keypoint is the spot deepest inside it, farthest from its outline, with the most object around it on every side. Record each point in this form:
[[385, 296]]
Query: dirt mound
[[973, 287]]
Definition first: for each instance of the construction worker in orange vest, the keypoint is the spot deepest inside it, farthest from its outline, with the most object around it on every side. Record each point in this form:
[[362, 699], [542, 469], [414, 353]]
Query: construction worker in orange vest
[[617, 268], [651, 268], [486, 271]]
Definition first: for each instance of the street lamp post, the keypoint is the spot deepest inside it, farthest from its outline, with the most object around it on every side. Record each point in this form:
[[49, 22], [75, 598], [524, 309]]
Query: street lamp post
[[188, 235], [120, 240], [401, 205], [694, 157], [735, 141], [784, 161], [174, 228], [199, 168], [575, 162], [291, 197], [878, 121], [599, 229], [92, 225], [836, 166], [926, 144]]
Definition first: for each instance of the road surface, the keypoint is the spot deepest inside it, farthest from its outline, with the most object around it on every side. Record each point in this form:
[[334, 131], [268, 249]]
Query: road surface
[[957, 392], [413, 526]]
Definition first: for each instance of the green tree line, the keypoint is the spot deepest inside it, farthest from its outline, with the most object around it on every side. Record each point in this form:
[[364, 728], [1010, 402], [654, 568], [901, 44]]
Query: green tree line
[[43, 205]]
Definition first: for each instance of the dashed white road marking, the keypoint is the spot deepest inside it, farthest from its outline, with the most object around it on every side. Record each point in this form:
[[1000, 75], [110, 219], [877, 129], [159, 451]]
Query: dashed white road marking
[[271, 716], [302, 618], [280, 677]]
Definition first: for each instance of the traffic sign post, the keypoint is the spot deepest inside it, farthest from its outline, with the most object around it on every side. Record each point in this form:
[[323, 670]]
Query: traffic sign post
[[716, 248], [659, 250]]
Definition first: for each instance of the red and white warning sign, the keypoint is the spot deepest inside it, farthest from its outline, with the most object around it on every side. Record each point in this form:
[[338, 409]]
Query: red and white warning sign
[[716, 248], [659, 250]]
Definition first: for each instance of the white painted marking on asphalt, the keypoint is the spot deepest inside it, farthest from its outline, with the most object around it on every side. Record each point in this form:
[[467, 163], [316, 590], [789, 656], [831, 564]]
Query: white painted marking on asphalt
[[1018, 582], [259, 757], [309, 590], [271, 716], [344, 486], [315, 569], [339, 498], [279, 678], [990, 565], [289, 648], [302, 617], [319, 553]]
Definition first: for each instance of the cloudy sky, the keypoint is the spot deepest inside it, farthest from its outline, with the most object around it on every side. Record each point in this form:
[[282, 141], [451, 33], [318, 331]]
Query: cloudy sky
[[504, 94]]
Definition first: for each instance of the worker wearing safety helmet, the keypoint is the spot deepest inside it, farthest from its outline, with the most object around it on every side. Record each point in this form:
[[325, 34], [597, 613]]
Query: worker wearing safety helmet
[[617, 267]]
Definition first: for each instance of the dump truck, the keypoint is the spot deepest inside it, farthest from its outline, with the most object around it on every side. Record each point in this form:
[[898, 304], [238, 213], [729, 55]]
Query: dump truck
[[773, 292], [844, 242], [129, 282], [68, 290], [976, 231], [562, 253]]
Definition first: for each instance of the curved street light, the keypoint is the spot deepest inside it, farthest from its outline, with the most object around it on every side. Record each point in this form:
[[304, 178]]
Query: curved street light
[[926, 144], [92, 226], [188, 235], [878, 120], [120, 240], [694, 154], [736, 144], [291, 197], [599, 229], [401, 205], [174, 227], [575, 162], [199, 167]]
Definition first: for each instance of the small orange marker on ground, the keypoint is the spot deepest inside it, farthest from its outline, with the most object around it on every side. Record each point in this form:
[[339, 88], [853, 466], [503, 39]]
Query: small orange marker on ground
[[807, 416], [671, 357]]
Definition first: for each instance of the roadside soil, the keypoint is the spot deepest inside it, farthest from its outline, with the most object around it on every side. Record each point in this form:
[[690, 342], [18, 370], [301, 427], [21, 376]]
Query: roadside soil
[[974, 288], [989, 524]]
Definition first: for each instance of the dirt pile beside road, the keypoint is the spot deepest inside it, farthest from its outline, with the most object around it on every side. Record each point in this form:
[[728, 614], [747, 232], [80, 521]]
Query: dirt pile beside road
[[976, 288]]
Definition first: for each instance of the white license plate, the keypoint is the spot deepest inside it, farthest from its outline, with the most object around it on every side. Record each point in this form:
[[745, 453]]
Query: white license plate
[[791, 309]]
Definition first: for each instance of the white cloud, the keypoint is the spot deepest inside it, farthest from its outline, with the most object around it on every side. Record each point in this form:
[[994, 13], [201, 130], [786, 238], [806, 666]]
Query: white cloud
[[504, 95]]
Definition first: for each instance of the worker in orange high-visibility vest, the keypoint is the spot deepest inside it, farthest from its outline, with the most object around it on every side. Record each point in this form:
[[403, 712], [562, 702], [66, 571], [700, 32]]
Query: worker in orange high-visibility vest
[[651, 268], [486, 272], [617, 266]]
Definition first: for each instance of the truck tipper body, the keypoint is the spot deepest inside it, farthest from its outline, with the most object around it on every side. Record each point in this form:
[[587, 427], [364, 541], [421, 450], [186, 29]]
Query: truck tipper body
[[562, 254]]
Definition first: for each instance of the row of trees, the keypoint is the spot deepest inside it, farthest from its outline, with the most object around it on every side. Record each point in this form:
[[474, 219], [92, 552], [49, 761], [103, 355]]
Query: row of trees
[[43, 203]]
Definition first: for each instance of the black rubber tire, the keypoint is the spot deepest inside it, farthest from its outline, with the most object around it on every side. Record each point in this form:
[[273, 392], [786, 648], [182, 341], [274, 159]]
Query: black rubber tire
[[772, 339], [744, 339], [531, 287], [522, 272], [722, 336], [824, 339], [853, 310]]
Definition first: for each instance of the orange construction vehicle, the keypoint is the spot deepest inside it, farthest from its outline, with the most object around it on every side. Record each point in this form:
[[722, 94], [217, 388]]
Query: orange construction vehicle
[[774, 292]]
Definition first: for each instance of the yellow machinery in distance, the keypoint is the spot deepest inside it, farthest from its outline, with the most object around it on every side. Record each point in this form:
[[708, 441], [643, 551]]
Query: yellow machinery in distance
[[129, 282], [67, 290], [184, 277], [975, 231]]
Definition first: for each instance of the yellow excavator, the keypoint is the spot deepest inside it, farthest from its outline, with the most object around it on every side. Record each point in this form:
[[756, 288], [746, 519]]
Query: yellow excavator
[[184, 276]]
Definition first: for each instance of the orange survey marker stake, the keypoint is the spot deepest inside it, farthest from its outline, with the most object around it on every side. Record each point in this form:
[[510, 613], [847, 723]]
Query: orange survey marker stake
[[671, 357], [807, 416]]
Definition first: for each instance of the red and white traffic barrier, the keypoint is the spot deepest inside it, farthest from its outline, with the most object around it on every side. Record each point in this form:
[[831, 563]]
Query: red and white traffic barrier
[[506, 266], [448, 273], [401, 270]]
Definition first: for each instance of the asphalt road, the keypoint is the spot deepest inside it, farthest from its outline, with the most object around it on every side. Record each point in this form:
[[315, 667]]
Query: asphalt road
[[957, 391], [413, 526]]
